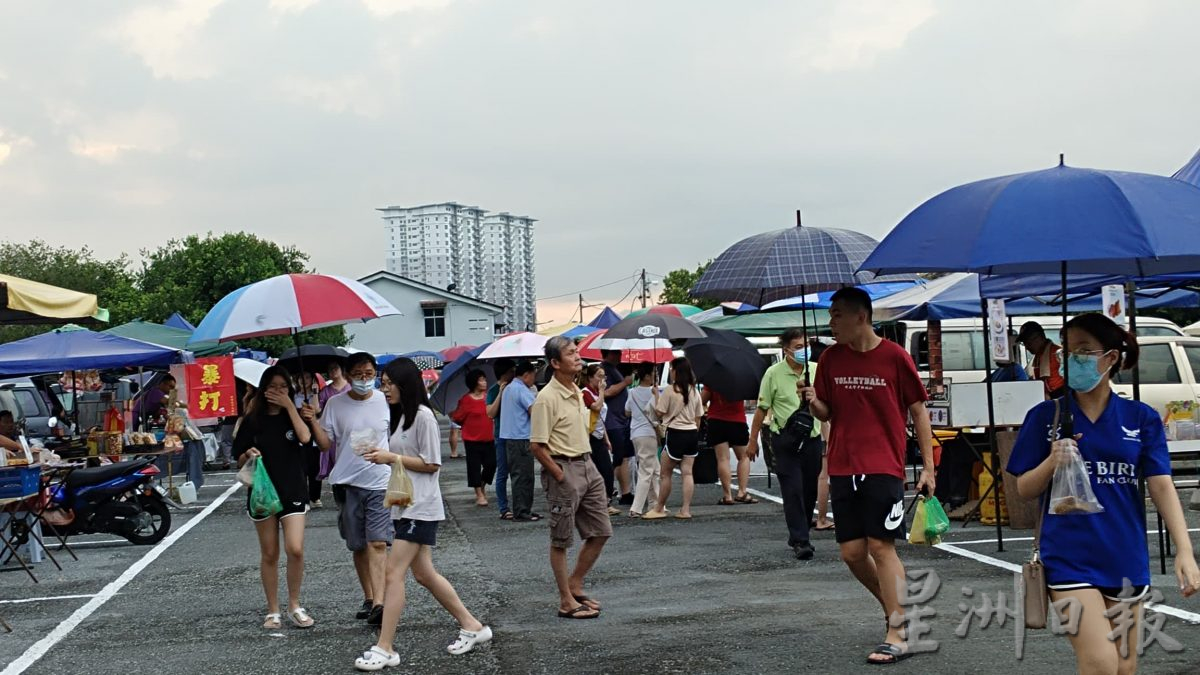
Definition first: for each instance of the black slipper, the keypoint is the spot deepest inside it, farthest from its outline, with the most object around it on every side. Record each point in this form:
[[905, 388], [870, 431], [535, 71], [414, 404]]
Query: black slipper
[[893, 652], [574, 613], [585, 600]]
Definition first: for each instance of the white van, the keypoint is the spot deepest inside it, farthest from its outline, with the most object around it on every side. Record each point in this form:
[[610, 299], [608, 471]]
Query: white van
[[963, 342]]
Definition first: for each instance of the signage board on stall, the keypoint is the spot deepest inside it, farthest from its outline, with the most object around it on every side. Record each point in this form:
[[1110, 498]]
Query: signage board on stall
[[1114, 303], [211, 389]]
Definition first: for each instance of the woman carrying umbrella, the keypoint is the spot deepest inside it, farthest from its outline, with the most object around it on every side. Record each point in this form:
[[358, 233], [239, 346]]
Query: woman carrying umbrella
[[592, 383], [273, 432], [477, 434], [1096, 561], [680, 409]]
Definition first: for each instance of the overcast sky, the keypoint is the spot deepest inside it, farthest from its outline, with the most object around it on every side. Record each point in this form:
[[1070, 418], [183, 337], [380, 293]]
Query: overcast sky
[[641, 134]]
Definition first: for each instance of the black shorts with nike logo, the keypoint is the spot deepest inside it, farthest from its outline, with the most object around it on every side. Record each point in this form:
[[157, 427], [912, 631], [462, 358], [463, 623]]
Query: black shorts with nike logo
[[869, 505]]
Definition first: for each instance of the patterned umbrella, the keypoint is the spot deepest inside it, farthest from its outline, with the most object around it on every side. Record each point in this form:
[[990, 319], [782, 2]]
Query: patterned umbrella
[[786, 263], [681, 311]]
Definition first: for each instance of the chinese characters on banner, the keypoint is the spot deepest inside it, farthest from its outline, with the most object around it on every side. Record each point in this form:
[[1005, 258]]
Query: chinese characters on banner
[[211, 388]]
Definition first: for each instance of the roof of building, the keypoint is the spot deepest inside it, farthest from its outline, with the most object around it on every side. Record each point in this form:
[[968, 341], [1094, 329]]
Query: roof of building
[[421, 286], [426, 206]]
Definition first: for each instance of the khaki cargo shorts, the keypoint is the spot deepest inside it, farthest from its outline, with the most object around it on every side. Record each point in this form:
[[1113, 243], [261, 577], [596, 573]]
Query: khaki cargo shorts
[[577, 503]]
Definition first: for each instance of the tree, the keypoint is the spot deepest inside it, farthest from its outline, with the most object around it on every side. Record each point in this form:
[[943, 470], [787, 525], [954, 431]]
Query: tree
[[191, 275], [111, 281], [678, 284]]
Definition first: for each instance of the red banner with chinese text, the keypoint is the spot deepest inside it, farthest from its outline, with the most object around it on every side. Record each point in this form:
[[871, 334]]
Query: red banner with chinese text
[[211, 391]]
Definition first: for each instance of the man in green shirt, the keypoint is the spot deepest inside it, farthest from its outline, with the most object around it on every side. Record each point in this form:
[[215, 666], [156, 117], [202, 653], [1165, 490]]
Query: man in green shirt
[[797, 467]]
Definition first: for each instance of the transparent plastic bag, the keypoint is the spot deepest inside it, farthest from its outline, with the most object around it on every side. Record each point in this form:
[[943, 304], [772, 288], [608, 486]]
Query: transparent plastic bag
[[363, 441], [245, 475], [400, 487], [916, 533], [264, 500], [1071, 489]]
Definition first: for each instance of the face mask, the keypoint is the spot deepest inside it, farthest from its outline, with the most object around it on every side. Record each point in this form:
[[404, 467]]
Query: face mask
[[799, 356], [362, 387], [1085, 372]]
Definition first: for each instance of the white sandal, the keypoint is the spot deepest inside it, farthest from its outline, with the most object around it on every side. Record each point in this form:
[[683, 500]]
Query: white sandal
[[300, 618], [273, 622], [377, 659], [467, 640]]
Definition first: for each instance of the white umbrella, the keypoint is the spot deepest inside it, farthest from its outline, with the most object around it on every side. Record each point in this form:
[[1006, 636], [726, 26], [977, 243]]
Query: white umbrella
[[249, 371], [516, 346]]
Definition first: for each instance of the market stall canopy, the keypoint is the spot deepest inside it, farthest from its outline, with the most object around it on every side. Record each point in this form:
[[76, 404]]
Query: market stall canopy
[[74, 348], [176, 320], [957, 296], [175, 338], [32, 302], [824, 299], [607, 318], [1190, 173], [770, 324]]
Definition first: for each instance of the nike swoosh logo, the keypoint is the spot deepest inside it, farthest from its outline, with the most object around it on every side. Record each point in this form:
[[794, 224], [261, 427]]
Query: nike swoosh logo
[[896, 516]]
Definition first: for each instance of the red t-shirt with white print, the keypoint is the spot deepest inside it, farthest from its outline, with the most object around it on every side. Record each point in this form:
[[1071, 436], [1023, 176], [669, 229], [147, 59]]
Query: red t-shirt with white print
[[868, 394]]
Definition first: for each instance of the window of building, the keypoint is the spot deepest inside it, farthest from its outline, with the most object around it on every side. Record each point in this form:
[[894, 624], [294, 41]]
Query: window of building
[[435, 321]]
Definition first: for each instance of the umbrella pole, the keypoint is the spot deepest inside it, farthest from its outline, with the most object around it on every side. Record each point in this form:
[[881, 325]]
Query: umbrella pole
[[1163, 538], [1067, 428], [992, 467], [300, 359], [804, 324]]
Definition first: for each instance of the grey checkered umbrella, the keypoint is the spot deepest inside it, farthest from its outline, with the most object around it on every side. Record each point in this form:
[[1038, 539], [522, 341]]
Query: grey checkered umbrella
[[786, 263]]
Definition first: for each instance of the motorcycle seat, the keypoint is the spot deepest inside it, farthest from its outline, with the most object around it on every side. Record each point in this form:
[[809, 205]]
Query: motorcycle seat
[[100, 474]]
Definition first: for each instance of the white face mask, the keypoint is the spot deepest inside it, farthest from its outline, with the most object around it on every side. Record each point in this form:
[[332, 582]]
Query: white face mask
[[362, 387]]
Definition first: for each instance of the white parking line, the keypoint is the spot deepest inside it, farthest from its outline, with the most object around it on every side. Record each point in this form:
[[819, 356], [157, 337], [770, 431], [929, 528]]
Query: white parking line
[[39, 648], [48, 597], [995, 562], [1149, 533]]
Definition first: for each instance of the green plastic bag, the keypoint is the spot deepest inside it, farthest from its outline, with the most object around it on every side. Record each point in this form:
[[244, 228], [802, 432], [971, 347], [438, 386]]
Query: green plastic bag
[[264, 500], [937, 522]]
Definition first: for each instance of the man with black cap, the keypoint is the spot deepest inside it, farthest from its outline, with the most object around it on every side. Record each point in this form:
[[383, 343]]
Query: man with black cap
[[1046, 362]]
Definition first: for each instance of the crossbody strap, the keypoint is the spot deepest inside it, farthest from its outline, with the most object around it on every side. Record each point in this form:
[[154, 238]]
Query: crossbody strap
[[1037, 531]]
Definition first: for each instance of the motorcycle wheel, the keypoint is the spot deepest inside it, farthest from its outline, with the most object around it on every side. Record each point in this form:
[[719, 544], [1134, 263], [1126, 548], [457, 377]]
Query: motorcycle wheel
[[155, 522]]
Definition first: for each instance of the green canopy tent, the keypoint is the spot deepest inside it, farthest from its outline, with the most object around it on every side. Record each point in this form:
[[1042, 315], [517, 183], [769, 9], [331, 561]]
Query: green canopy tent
[[175, 338], [767, 324]]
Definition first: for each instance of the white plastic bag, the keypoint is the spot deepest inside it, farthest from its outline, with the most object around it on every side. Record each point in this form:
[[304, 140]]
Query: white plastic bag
[[400, 487], [1071, 489], [363, 441], [245, 475]]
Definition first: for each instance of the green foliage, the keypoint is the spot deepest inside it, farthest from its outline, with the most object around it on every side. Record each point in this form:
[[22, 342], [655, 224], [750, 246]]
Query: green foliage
[[112, 281], [187, 275], [191, 275], [678, 283]]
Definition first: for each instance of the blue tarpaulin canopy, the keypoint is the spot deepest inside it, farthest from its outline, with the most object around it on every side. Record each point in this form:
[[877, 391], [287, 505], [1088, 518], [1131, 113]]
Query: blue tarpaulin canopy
[[177, 321], [605, 319], [580, 331], [957, 296], [823, 300], [1190, 173], [74, 348]]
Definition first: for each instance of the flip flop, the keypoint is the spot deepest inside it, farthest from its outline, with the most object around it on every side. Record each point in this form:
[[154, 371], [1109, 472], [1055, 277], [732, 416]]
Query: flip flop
[[824, 529], [507, 515], [575, 613], [585, 600], [894, 653], [682, 516], [654, 515], [725, 502], [745, 499]]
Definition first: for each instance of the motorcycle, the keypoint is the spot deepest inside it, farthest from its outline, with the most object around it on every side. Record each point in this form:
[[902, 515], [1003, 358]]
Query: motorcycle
[[122, 499]]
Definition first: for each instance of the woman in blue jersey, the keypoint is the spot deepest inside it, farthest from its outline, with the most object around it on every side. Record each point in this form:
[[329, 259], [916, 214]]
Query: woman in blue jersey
[[1094, 560]]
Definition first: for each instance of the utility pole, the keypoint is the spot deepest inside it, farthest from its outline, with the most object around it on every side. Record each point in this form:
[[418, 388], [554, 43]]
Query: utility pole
[[645, 289], [581, 308]]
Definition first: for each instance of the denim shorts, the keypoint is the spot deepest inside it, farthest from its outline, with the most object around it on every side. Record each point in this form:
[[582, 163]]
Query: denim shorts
[[423, 532]]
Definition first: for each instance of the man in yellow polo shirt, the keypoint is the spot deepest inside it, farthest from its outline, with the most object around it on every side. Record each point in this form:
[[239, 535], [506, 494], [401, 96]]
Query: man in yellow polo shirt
[[574, 488], [797, 467]]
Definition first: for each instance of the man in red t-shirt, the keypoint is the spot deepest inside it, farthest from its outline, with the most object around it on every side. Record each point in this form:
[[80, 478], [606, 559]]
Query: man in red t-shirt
[[867, 388]]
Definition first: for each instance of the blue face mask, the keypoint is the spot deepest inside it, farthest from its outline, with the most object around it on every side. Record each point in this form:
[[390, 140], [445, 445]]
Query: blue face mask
[[799, 356], [362, 387], [1085, 374]]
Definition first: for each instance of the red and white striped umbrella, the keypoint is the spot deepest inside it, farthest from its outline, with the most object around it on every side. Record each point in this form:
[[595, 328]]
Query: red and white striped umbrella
[[291, 303]]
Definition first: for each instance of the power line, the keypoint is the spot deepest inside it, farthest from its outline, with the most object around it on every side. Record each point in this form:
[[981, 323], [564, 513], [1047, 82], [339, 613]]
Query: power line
[[585, 290]]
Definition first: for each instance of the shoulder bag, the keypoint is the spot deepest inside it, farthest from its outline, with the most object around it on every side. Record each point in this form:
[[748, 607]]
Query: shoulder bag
[[1033, 573]]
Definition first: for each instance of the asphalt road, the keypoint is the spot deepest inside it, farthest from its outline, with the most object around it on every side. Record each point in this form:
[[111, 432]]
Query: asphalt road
[[718, 594]]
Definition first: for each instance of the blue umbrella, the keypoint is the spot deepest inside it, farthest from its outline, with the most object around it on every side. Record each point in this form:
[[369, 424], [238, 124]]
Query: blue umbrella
[[786, 263], [1059, 220], [453, 383], [580, 331]]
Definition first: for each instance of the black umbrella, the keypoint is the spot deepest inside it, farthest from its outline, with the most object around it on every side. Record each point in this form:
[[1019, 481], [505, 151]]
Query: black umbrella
[[647, 332], [726, 362], [313, 358]]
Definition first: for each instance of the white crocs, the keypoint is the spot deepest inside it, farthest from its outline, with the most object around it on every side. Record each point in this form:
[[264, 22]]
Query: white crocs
[[467, 640], [376, 659]]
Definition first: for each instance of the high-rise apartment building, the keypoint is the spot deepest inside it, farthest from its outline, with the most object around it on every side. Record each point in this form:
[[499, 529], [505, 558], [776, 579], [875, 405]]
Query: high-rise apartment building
[[487, 256]]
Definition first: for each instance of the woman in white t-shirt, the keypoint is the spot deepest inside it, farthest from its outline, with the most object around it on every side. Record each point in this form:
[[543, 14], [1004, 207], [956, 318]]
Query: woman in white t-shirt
[[645, 438], [417, 443]]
